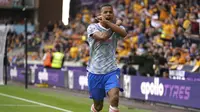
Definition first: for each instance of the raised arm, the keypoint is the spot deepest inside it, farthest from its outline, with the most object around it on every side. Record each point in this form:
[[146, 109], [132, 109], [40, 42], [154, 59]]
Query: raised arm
[[114, 27], [93, 32], [101, 35]]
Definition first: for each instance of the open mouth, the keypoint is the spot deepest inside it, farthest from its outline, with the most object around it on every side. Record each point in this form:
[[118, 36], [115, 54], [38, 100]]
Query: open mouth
[[108, 18]]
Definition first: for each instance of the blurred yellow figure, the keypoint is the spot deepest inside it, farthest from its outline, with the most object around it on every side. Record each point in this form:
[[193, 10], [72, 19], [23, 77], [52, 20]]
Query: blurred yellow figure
[[173, 10], [168, 31], [73, 52], [127, 2], [58, 32], [197, 63], [83, 38], [178, 59], [86, 15], [163, 14], [137, 7], [147, 22], [186, 24], [172, 59], [146, 3], [87, 18], [158, 40]]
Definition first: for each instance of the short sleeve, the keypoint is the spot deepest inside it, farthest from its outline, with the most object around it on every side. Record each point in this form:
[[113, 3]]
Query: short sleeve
[[91, 30]]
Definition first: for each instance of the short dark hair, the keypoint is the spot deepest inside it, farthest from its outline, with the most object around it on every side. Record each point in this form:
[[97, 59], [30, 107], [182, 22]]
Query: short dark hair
[[105, 5]]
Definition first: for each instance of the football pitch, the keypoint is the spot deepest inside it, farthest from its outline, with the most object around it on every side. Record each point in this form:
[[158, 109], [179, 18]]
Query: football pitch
[[18, 99]]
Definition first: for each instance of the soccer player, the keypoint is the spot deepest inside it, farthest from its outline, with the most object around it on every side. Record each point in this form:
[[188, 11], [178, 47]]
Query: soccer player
[[103, 77]]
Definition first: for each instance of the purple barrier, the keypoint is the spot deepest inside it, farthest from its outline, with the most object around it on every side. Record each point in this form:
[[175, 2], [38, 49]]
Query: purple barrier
[[78, 80], [16, 74], [183, 75], [53, 77], [183, 93], [177, 92], [77, 68], [192, 76], [50, 76]]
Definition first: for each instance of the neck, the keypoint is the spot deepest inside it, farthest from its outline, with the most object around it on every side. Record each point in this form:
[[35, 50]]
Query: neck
[[104, 25]]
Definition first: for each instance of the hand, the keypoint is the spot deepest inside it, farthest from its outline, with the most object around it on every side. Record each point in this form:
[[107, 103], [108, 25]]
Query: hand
[[101, 19], [118, 22]]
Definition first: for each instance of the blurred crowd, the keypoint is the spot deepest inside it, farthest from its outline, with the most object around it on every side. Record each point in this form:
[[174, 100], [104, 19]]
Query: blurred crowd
[[162, 33]]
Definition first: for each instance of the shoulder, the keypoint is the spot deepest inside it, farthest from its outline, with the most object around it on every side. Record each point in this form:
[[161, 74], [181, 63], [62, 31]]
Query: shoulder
[[92, 26], [91, 29]]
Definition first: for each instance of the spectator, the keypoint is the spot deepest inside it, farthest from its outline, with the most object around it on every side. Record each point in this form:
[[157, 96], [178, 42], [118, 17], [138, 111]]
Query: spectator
[[179, 38], [181, 11], [58, 59], [50, 26], [74, 52], [162, 65], [47, 59]]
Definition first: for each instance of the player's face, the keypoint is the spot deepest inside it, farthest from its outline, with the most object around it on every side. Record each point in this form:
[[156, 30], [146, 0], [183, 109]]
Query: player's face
[[107, 13]]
